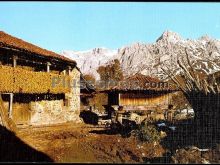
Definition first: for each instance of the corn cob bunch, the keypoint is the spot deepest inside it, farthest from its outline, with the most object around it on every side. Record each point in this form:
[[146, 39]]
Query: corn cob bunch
[[19, 80]]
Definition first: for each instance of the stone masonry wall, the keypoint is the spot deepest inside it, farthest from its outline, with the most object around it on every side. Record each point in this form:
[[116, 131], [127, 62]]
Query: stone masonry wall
[[73, 97], [54, 111], [47, 112]]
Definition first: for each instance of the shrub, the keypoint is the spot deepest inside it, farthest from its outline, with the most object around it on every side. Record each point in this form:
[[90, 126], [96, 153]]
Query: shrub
[[147, 132]]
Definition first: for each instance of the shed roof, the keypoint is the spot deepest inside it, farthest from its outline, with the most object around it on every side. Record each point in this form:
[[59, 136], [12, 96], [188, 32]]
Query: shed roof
[[10, 42], [140, 82]]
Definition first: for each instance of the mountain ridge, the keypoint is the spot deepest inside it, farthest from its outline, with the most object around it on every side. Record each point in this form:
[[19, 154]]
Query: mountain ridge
[[148, 58]]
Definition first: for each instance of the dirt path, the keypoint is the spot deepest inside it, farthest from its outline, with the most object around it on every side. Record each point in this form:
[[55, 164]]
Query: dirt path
[[86, 143]]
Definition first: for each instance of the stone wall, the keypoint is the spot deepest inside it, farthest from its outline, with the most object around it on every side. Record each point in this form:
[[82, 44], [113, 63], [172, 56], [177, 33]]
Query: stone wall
[[47, 112], [54, 111], [73, 96]]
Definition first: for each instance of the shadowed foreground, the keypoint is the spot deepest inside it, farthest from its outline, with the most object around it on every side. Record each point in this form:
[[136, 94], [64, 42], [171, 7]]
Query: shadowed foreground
[[12, 149]]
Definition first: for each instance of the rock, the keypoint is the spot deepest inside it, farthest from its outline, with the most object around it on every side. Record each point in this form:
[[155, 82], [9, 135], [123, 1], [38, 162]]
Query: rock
[[205, 161], [172, 128], [114, 150], [187, 155], [161, 125], [163, 134]]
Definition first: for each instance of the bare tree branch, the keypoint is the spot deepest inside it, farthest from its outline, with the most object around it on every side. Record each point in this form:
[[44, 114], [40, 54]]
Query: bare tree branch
[[174, 80], [196, 77]]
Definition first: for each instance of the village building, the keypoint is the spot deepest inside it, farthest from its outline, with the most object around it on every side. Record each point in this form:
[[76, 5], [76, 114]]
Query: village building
[[87, 92], [37, 86], [140, 94]]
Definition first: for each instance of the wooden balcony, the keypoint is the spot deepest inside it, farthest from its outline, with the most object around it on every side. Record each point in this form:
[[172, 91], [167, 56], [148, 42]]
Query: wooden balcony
[[18, 80]]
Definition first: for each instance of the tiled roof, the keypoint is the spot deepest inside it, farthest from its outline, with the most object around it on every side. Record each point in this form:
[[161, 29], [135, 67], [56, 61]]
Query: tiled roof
[[10, 42], [142, 82]]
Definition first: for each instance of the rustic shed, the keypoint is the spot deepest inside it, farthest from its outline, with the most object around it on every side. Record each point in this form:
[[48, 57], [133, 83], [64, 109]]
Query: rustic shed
[[140, 93]]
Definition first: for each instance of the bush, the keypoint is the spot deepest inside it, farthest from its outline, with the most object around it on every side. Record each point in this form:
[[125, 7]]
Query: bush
[[147, 132]]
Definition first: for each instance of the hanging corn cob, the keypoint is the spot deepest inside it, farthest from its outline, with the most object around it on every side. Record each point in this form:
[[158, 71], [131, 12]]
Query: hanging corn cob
[[18, 80]]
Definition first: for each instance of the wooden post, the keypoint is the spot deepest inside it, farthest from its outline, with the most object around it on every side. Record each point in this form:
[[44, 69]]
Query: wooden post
[[119, 117], [48, 66], [64, 72], [119, 98], [15, 61], [10, 105], [69, 70]]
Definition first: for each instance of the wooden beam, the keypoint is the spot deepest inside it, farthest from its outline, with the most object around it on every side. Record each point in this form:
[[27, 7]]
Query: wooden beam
[[11, 105]]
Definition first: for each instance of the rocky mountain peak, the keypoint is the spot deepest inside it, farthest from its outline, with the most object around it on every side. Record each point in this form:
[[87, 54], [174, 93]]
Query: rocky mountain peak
[[99, 50], [169, 36], [205, 38]]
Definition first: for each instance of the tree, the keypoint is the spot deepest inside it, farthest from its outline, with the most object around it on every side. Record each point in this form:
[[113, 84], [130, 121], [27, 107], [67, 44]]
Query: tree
[[111, 72], [203, 93], [90, 78]]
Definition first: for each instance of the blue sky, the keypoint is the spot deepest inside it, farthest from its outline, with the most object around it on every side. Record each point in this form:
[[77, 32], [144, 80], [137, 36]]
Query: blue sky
[[61, 26]]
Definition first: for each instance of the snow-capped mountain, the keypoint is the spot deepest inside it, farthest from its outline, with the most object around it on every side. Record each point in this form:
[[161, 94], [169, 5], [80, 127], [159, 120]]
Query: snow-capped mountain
[[89, 61], [149, 58]]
